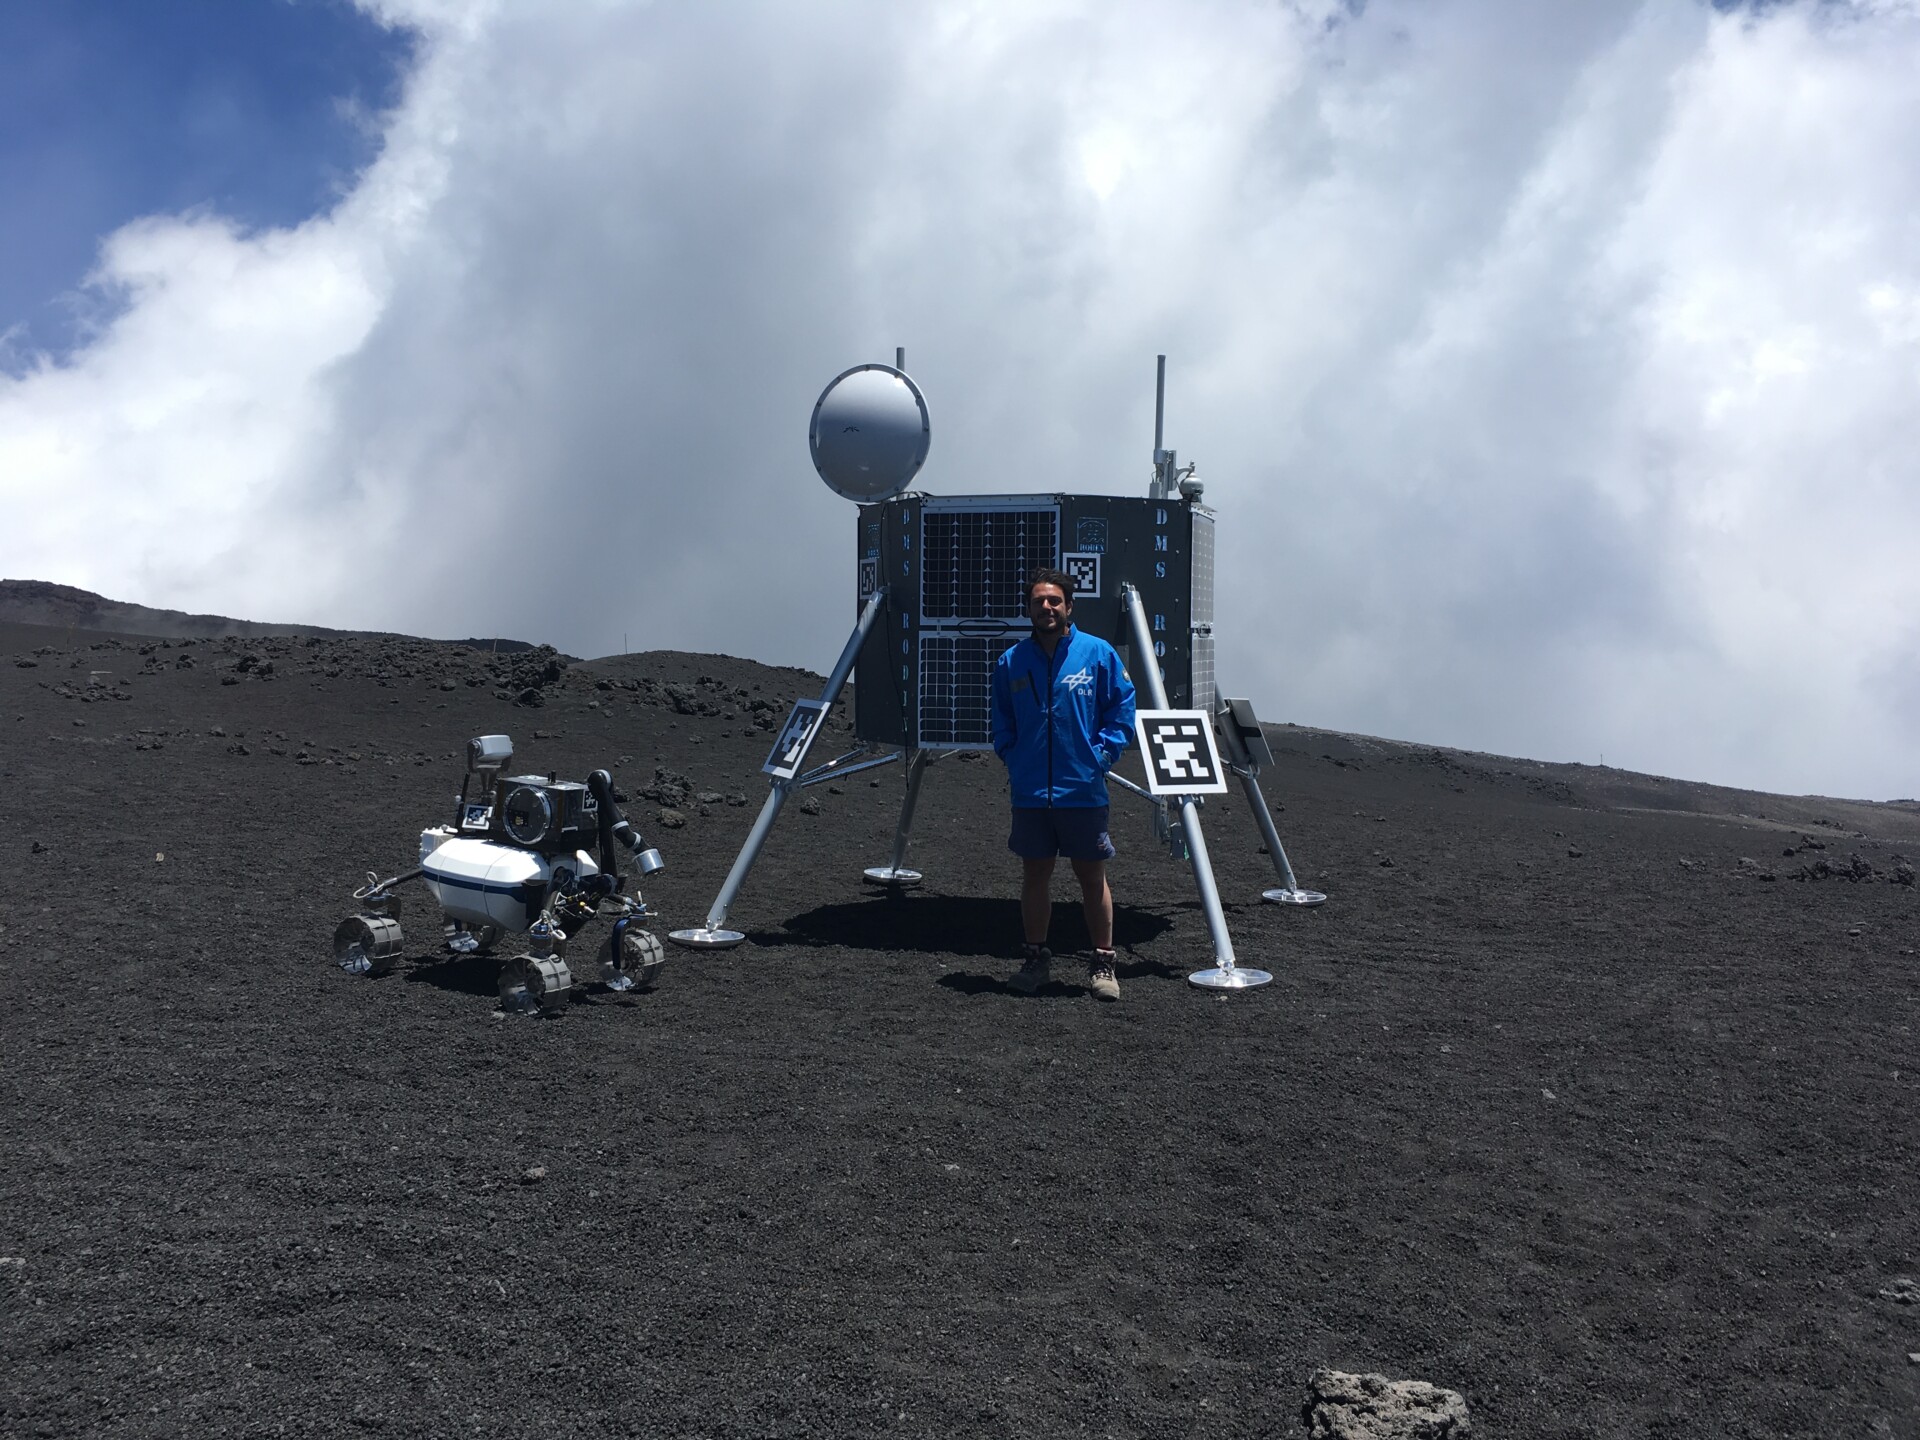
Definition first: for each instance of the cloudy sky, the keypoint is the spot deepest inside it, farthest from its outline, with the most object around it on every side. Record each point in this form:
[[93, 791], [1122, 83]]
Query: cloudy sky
[[1555, 369]]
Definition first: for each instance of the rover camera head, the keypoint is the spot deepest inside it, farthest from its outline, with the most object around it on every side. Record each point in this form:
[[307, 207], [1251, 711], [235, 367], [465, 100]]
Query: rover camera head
[[535, 813], [526, 814], [489, 754]]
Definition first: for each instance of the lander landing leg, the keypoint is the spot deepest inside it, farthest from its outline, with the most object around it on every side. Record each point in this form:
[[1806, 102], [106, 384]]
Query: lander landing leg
[[714, 935], [1247, 751], [894, 872], [786, 772], [1225, 973], [1288, 892]]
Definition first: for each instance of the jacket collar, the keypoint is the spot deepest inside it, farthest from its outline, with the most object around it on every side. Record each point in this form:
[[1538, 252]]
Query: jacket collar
[[1066, 640]]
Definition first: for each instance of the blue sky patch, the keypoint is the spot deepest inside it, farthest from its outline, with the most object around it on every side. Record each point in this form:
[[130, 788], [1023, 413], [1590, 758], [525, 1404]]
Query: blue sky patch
[[115, 109]]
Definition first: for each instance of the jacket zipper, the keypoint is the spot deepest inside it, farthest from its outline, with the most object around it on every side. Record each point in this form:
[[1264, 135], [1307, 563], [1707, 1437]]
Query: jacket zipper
[[1050, 668]]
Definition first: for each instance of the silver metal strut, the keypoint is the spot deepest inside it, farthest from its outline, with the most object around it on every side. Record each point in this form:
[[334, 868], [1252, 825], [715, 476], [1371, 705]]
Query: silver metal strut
[[1225, 973], [1245, 765], [1288, 892], [894, 872], [713, 935]]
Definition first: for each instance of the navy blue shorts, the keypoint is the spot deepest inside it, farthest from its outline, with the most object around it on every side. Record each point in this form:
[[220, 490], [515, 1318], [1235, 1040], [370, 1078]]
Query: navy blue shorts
[[1078, 834]]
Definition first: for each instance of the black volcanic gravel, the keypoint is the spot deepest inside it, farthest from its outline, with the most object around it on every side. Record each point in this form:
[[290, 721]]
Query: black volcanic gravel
[[1588, 1095]]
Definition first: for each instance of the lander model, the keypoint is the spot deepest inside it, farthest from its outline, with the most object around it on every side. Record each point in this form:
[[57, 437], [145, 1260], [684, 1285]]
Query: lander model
[[941, 593], [515, 861]]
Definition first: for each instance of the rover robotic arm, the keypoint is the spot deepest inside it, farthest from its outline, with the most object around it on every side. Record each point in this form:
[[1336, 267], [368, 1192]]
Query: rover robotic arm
[[617, 831]]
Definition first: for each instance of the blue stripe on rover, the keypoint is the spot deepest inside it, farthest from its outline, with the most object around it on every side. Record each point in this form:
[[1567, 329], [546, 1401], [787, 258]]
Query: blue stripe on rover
[[530, 896]]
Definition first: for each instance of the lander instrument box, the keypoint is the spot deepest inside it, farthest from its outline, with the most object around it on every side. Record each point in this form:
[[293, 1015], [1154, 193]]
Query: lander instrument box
[[956, 567]]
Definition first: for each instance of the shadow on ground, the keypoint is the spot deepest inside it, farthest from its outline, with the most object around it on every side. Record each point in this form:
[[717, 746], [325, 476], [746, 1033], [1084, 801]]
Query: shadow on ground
[[951, 925], [459, 974], [480, 975]]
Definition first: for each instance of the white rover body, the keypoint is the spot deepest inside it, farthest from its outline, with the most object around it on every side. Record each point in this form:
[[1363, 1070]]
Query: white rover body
[[515, 861], [484, 883]]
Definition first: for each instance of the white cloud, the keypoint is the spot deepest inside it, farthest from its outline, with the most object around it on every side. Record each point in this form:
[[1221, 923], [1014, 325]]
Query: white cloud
[[1554, 366]]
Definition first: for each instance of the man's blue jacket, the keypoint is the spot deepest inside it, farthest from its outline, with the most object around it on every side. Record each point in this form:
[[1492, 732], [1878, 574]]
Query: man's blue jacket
[[1060, 724]]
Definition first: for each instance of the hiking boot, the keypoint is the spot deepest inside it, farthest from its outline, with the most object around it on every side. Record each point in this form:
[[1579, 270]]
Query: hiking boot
[[1032, 973], [1100, 977]]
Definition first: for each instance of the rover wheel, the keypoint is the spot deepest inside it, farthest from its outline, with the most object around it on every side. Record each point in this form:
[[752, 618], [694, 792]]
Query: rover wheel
[[549, 983], [464, 939], [636, 964], [513, 984], [367, 944]]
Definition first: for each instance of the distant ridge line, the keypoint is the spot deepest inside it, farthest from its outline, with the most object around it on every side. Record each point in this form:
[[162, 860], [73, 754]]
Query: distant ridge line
[[67, 607]]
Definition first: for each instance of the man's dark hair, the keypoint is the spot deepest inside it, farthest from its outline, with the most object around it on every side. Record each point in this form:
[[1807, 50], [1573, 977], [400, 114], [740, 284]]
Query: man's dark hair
[[1045, 575]]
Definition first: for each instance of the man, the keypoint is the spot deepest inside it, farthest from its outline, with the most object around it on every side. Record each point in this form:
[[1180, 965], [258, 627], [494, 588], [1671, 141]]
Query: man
[[1062, 714]]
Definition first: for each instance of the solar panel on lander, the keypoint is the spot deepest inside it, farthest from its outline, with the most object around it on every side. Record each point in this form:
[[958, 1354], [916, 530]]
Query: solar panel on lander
[[956, 569]]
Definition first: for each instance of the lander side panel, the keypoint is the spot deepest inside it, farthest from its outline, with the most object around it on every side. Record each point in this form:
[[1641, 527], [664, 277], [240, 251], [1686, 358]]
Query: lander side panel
[[956, 570]]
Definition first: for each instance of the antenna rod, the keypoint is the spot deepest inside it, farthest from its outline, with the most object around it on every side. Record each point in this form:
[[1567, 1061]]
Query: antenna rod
[[1159, 405], [900, 357]]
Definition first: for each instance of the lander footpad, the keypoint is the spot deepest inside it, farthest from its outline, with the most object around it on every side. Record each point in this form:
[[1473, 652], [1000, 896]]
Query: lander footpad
[[1228, 977], [707, 937]]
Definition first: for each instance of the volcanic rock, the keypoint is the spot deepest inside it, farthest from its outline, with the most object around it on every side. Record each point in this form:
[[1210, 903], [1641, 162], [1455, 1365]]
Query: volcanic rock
[[1853, 868], [1372, 1407]]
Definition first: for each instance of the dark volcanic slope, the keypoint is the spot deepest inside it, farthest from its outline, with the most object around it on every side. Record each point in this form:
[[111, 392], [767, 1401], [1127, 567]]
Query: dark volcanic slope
[[1580, 1096], [68, 609]]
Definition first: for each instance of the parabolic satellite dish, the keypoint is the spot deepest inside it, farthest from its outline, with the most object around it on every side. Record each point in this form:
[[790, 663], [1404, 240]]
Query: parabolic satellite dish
[[870, 433]]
